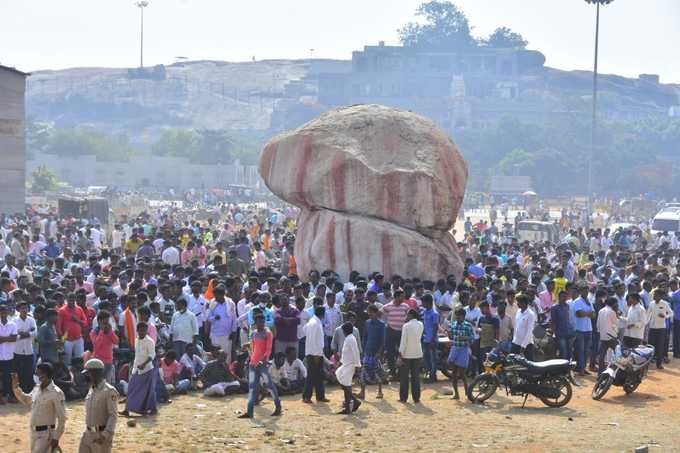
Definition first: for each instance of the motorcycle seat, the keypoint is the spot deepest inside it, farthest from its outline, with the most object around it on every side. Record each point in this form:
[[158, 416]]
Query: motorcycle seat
[[549, 365]]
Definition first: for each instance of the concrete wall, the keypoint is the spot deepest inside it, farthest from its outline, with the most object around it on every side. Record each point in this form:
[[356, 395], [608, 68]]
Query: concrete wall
[[145, 171], [12, 141]]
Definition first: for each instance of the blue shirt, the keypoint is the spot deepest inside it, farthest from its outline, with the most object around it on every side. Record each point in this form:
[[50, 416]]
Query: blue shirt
[[268, 316], [431, 325], [675, 305], [375, 336], [582, 324], [561, 320]]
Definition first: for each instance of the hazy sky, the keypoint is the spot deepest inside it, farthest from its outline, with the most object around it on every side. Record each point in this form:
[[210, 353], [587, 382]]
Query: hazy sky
[[637, 36]]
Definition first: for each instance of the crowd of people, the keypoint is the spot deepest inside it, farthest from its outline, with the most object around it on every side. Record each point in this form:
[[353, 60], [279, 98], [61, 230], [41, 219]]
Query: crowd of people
[[156, 307]]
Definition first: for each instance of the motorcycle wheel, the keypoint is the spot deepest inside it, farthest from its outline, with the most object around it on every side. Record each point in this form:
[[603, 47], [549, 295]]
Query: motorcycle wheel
[[564, 387], [482, 388], [630, 388], [604, 381]]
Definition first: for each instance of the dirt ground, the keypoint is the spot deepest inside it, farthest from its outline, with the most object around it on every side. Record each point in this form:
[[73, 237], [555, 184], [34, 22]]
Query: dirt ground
[[196, 424]]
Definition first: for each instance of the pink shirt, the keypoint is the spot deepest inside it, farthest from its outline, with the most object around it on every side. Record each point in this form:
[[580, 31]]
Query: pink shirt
[[546, 299], [170, 372], [103, 345]]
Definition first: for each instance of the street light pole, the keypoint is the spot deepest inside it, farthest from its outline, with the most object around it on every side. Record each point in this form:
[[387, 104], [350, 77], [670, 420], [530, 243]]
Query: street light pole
[[141, 5], [593, 134]]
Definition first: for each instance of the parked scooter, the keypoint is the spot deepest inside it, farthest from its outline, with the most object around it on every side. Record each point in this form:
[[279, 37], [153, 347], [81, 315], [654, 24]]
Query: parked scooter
[[626, 369]]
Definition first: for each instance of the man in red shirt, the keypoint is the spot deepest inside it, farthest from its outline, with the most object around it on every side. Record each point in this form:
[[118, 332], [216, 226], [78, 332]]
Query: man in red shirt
[[71, 323], [261, 350], [103, 341]]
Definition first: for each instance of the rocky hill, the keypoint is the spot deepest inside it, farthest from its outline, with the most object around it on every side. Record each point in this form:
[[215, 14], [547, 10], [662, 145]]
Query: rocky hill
[[275, 94], [201, 94]]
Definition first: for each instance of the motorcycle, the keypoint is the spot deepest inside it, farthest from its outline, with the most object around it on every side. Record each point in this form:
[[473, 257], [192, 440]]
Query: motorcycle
[[549, 381], [626, 369]]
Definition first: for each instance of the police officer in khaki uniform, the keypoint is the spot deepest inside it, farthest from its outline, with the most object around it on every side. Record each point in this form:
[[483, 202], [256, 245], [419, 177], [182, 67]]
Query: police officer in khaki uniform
[[100, 411], [48, 414]]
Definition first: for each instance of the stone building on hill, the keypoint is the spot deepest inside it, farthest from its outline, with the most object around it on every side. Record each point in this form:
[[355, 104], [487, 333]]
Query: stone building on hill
[[437, 84]]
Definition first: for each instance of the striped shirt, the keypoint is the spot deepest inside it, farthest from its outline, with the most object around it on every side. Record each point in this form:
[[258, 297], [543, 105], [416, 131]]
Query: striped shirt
[[395, 315]]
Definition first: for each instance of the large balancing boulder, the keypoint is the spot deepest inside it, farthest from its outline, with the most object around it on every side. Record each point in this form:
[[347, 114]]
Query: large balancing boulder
[[379, 190]]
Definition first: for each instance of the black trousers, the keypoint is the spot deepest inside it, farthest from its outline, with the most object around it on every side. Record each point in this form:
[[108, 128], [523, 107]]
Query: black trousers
[[315, 378], [409, 373], [350, 400], [657, 338], [676, 338], [23, 364], [6, 369], [602, 353], [392, 340]]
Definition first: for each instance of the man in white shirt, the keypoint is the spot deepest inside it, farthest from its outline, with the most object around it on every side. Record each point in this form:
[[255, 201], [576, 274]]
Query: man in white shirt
[[634, 322], [197, 304], [141, 396], [657, 314], [332, 320], [183, 327], [523, 337], [117, 239], [410, 356], [170, 255], [314, 344], [608, 328], [8, 338], [23, 350]]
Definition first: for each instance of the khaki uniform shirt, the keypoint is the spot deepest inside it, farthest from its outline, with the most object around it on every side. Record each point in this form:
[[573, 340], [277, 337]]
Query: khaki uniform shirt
[[47, 407], [101, 408]]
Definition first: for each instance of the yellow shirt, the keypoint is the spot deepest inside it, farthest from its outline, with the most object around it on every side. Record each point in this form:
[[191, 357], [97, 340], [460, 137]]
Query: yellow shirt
[[560, 285]]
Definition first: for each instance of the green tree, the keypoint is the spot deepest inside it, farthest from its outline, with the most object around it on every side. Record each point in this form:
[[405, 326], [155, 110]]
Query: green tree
[[43, 180], [446, 28], [176, 143], [208, 146], [505, 38], [84, 141]]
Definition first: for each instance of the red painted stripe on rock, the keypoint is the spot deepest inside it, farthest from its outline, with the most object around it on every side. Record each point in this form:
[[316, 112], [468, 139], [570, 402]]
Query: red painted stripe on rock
[[338, 180], [348, 241], [386, 249], [302, 167], [330, 242]]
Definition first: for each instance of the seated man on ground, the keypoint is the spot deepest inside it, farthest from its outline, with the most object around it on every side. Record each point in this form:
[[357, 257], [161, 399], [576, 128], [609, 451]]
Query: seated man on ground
[[170, 371], [192, 364], [217, 379], [294, 372]]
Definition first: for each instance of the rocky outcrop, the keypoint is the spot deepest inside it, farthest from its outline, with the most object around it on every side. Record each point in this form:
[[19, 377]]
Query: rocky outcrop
[[379, 189]]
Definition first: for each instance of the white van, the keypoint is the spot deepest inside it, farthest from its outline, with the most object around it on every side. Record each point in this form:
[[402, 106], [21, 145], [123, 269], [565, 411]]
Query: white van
[[668, 219]]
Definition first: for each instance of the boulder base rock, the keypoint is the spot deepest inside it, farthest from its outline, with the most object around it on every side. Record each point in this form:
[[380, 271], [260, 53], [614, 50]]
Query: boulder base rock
[[346, 242], [370, 160]]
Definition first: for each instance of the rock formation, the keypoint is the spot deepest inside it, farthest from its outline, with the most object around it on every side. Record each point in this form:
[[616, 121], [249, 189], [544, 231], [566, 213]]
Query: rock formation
[[379, 189]]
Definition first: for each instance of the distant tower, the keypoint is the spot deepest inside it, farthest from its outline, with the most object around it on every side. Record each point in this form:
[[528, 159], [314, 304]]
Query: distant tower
[[141, 5]]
